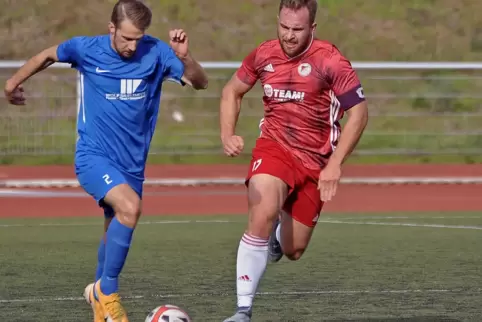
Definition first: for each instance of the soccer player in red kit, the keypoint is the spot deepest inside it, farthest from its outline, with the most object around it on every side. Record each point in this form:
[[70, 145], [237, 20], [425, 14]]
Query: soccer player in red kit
[[296, 164]]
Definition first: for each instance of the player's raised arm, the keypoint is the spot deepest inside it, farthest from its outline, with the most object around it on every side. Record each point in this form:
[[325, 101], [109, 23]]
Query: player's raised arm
[[239, 84], [13, 86], [194, 75], [349, 92]]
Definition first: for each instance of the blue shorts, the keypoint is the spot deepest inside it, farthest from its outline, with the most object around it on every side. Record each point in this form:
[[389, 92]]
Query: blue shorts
[[98, 175]]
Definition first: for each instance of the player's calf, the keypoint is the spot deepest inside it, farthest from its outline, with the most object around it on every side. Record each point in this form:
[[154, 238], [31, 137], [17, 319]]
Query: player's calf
[[127, 207], [109, 214], [266, 195]]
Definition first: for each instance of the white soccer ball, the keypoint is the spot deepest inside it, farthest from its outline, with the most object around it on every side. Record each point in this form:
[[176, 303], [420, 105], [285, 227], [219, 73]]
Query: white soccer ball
[[168, 313], [178, 116]]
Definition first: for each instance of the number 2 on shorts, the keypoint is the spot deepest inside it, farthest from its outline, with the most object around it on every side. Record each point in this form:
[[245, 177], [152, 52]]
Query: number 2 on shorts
[[107, 179]]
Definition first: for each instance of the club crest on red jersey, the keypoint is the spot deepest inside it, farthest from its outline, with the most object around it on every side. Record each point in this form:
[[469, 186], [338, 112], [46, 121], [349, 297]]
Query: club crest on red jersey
[[304, 69]]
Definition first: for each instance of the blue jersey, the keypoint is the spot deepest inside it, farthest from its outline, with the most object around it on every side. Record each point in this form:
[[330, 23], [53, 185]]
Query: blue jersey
[[119, 97]]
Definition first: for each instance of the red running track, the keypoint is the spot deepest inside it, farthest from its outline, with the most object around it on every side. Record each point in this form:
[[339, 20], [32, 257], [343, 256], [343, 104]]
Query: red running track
[[213, 200]]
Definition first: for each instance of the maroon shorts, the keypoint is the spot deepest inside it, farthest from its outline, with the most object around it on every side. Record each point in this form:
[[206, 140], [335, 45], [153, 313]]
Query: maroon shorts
[[303, 202]]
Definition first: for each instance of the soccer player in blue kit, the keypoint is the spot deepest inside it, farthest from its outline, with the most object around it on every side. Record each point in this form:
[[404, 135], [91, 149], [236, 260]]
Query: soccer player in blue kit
[[121, 78]]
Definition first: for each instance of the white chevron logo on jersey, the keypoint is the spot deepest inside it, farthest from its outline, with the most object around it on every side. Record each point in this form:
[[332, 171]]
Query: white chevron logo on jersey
[[129, 90], [129, 86]]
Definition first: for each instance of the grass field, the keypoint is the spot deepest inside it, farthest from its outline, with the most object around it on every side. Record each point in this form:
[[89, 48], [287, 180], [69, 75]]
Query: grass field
[[360, 267]]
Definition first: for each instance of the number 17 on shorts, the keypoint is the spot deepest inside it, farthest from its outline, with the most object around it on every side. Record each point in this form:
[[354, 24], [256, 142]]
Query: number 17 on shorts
[[256, 165]]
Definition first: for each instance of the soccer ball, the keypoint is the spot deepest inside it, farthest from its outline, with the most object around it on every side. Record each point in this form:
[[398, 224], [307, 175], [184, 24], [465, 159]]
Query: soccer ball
[[168, 313]]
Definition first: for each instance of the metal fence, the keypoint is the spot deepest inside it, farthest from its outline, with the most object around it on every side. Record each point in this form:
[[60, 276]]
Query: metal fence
[[415, 108]]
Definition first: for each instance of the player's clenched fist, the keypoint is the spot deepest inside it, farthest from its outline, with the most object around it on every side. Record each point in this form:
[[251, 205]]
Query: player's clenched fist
[[15, 95], [233, 145], [178, 40]]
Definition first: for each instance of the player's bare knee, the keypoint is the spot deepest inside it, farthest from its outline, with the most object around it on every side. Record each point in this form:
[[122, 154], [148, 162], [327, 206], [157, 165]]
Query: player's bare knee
[[261, 221], [294, 254], [262, 217], [291, 249], [128, 211], [126, 204], [295, 237]]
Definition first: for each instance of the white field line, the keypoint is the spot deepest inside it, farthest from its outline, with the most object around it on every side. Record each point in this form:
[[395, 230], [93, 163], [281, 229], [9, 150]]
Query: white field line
[[334, 220], [239, 181], [415, 217], [80, 194], [161, 222], [376, 223], [267, 294]]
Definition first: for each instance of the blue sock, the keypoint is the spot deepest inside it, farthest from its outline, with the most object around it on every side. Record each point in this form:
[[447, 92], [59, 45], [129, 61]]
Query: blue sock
[[100, 260], [117, 246]]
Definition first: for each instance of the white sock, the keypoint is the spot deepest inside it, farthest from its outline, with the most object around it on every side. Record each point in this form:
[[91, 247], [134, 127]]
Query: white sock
[[251, 264], [278, 234]]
